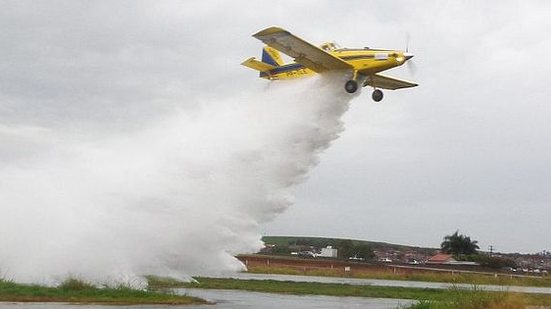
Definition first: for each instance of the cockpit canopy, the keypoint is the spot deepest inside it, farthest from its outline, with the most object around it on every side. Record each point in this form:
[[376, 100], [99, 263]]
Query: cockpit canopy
[[329, 46]]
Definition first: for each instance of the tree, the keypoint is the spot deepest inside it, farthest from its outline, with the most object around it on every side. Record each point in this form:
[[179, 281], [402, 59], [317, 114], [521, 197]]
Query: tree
[[346, 248], [459, 244], [492, 261], [364, 252]]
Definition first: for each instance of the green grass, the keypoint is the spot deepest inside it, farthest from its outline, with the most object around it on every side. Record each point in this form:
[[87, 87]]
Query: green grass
[[476, 299], [76, 291], [156, 283], [427, 297]]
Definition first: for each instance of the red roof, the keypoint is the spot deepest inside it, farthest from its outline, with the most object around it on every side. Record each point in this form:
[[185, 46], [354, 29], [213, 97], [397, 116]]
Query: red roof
[[441, 258]]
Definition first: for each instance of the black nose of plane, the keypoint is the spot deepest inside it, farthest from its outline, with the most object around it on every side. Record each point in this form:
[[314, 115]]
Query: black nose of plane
[[408, 56]]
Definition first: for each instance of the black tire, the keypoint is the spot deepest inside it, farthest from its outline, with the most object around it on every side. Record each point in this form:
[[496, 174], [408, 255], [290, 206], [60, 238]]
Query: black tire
[[377, 95], [351, 86]]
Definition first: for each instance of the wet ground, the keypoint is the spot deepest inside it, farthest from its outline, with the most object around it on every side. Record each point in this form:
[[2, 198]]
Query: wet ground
[[243, 299], [230, 299], [391, 283], [233, 299]]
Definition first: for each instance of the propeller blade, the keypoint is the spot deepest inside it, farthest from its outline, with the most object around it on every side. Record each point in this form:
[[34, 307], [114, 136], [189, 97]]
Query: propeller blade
[[412, 67]]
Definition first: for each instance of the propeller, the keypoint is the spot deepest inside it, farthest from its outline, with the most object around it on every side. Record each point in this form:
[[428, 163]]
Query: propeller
[[412, 68]]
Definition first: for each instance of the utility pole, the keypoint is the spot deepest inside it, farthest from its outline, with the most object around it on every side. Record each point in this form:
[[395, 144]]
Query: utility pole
[[491, 249]]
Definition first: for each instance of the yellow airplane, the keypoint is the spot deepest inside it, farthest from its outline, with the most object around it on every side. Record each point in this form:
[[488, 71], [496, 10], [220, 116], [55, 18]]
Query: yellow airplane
[[362, 65]]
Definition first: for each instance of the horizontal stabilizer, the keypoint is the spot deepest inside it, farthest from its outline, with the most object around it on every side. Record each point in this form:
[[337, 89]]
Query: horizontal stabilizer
[[257, 65]]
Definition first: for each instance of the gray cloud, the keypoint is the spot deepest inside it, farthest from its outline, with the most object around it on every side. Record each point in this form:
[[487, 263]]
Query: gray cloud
[[467, 150]]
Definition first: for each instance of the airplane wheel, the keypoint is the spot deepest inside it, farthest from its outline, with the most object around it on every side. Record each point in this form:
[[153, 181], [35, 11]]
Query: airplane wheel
[[351, 86], [377, 95]]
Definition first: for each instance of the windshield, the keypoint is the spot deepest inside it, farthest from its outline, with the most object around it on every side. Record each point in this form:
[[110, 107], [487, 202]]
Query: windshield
[[328, 46]]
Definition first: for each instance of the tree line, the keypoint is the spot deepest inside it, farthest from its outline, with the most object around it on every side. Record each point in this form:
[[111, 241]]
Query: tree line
[[461, 246], [465, 249]]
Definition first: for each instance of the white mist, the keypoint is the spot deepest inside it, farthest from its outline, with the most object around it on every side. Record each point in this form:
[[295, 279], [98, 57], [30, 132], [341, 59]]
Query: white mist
[[178, 197]]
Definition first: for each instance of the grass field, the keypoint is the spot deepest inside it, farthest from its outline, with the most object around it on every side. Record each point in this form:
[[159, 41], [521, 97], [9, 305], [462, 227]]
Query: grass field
[[468, 278], [428, 298], [274, 264], [75, 291]]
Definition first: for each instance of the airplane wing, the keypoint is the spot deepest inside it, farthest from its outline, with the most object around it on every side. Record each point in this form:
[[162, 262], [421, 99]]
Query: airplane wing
[[387, 82], [303, 52]]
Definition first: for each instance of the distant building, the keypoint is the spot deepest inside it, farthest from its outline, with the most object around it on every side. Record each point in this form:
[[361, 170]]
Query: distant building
[[329, 252], [447, 259], [441, 258]]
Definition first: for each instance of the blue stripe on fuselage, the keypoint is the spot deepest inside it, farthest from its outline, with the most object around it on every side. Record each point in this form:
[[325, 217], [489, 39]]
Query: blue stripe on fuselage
[[287, 68], [282, 69]]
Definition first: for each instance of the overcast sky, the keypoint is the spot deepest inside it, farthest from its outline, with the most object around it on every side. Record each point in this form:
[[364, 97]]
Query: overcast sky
[[467, 150]]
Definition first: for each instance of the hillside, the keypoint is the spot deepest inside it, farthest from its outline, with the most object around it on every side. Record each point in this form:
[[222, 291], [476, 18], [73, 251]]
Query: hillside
[[321, 242]]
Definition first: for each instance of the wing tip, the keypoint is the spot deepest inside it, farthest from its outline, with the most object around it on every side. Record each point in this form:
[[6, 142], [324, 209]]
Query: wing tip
[[247, 61], [270, 30]]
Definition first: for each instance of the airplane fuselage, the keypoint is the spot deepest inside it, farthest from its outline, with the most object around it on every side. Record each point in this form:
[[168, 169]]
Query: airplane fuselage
[[366, 61]]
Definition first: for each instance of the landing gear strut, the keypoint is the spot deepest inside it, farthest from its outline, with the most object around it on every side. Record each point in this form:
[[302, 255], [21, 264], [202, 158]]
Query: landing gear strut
[[351, 86], [377, 95]]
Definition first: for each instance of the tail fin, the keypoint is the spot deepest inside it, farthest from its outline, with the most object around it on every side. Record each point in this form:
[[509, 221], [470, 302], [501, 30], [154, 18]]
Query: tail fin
[[271, 59], [271, 56]]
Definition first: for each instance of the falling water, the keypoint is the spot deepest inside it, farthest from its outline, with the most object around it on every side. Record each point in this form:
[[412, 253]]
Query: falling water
[[177, 197]]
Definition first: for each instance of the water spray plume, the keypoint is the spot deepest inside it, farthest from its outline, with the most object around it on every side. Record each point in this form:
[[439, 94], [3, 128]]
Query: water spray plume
[[179, 197]]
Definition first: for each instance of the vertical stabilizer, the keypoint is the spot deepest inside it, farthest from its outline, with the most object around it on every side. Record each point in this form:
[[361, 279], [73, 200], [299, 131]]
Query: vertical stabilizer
[[271, 56]]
